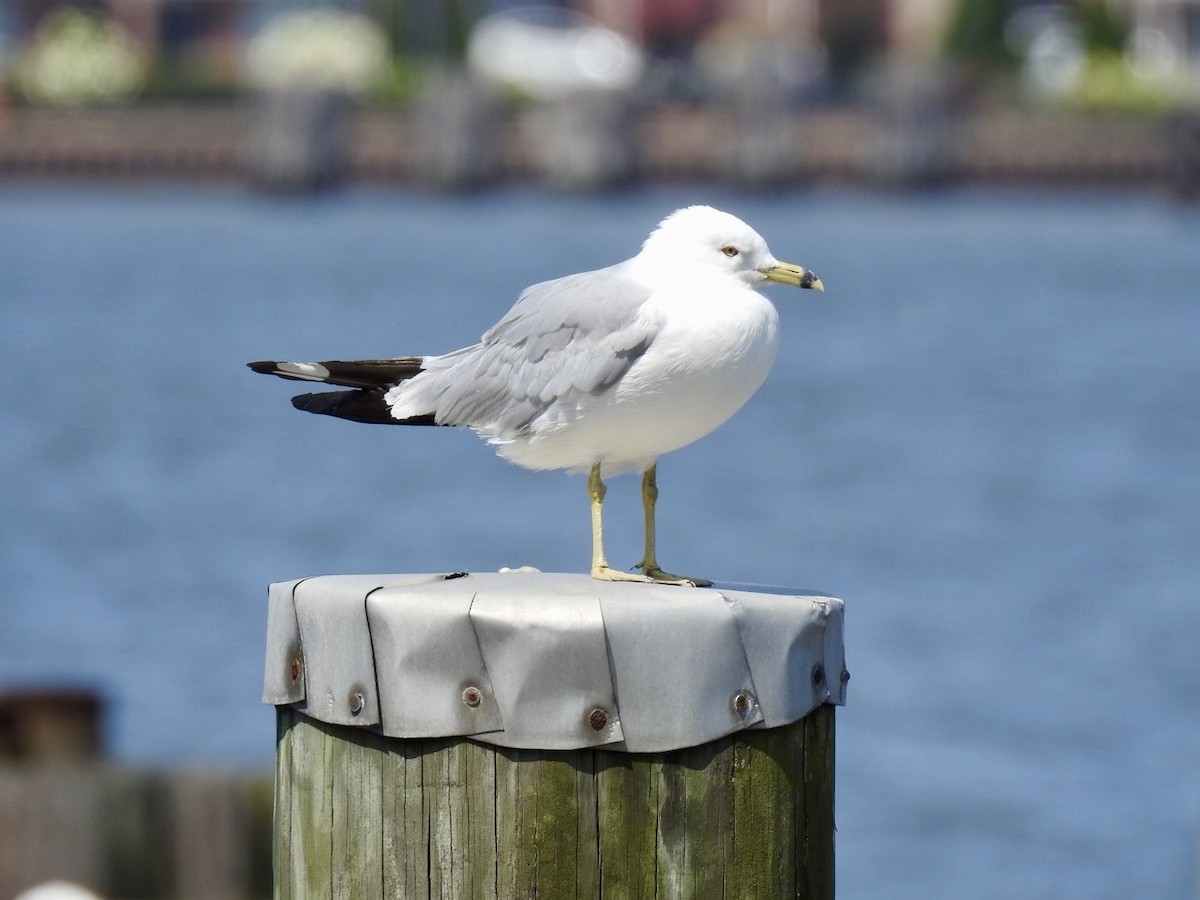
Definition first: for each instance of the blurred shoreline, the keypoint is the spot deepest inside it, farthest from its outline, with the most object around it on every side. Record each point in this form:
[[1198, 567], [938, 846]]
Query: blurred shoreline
[[857, 145]]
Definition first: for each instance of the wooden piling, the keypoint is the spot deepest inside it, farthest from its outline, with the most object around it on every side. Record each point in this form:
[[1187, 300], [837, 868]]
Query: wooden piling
[[360, 815], [528, 735]]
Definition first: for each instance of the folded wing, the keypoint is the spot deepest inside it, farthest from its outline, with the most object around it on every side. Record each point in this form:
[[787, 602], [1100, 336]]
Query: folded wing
[[562, 341]]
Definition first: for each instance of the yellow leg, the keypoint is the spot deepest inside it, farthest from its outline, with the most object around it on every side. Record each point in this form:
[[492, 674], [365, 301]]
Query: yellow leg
[[600, 566], [649, 563]]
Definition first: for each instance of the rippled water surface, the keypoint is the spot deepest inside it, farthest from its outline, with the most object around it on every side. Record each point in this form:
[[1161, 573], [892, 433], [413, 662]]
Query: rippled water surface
[[985, 436]]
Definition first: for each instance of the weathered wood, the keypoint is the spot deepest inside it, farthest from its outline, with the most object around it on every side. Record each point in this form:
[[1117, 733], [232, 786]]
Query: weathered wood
[[282, 806], [627, 813], [357, 826], [405, 863], [694, 817], [545, 824], [746, 816], [311, 813], [767, 809], [460, 782], [815, 853]]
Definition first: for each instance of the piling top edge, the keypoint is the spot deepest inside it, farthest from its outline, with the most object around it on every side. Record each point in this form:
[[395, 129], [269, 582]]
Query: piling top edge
[[551, 661]]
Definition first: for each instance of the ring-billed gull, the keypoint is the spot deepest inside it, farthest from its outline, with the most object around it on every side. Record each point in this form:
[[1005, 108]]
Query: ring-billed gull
[[599, 372]]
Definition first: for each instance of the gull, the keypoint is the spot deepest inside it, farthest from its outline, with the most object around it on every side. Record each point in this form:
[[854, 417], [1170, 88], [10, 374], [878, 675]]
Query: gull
[[600, 372]]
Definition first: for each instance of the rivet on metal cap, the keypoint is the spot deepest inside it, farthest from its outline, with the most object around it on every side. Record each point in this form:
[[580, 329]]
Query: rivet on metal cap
[[598, 718], [845, 676], [295, 669], [357, 701], [472, 696], [743, 704], [818, 674]]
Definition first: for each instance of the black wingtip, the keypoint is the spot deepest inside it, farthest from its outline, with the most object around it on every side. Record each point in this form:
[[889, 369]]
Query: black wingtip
[[366, 406], [357, 406], [263, 367]]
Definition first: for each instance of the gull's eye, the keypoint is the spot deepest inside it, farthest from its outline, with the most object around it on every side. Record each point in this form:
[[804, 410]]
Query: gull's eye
[[730, 250]]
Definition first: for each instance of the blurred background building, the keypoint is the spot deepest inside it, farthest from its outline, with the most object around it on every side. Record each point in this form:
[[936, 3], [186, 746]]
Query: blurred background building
[[463, 93]]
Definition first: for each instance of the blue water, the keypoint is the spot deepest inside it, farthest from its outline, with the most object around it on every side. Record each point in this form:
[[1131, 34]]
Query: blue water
[[985, 436]]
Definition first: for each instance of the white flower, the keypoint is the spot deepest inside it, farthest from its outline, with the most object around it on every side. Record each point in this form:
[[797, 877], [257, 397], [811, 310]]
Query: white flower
[[319, 48], [548, 53], [77, 58]]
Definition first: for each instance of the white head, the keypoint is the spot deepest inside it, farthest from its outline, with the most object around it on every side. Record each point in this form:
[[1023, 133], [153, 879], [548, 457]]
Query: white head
[[706, 241]]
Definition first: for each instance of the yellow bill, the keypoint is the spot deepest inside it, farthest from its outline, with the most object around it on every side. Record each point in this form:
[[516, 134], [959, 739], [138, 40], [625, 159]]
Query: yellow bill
[[796, 276]]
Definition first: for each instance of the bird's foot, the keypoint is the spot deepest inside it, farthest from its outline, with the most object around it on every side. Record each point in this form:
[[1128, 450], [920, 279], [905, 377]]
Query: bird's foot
[[654, 573], [607, 573]]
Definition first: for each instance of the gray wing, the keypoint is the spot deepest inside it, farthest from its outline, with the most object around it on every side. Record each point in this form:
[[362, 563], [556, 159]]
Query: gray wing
[[562, 340]]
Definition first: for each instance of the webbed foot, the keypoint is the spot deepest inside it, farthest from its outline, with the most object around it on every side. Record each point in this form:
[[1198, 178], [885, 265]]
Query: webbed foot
[[654, 573]]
